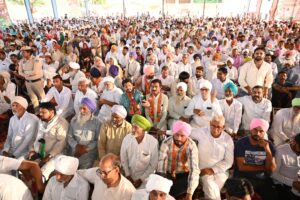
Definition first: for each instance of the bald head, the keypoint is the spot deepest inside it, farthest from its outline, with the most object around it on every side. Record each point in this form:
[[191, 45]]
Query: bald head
[[110, 159]]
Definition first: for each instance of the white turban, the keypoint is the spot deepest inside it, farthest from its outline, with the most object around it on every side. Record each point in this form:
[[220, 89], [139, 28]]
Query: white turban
[[74, 65], [245, 51], [21, 100], [66, 165], [182, 85], [156, 182], [119, 110], [205, 84], [230, 59], [109, 79]]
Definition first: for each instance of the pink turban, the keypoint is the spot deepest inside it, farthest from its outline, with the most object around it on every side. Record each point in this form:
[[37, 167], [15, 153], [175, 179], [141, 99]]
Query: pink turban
[[148, 69], [257, 122], [179, 125]]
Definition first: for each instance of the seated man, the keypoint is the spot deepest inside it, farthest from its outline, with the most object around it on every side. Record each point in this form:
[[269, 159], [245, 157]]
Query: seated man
[[112, 133], [83, 134], [186, 78], [231, 109], [255, 160], [82, 92], [178, 104], [286, 123], [144, 82], [157, 187], [62, 96], [156, 106], [22, 129], [203, 106], [285, 175], [51, 138], [66, 182], [139, 152], [166, 80], [238, 188], [215, 142], [108, 181], [219, 82], [178, 159], [7, 91], [255, 106]]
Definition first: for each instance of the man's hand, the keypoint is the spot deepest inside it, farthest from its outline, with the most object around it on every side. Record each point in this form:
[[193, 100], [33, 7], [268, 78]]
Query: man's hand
[[80, 150], [31, 154], [296, 185], [266, 92], [263, 143], [45, 160], [145, 104], [137, 183], [187, 120], [199, 112], [207, 171], [4, 153], [248, 88], [188, 197], [130, 179]]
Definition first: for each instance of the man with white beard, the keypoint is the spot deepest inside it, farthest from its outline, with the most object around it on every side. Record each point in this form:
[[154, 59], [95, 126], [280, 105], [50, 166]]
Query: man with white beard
[[74, 74], [286, 123], [83, 134]]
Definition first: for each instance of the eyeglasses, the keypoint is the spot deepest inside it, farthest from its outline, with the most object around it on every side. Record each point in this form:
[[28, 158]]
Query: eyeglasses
[[103, 173]]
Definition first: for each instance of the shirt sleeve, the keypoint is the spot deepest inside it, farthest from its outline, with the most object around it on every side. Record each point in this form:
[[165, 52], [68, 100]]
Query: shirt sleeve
[[125, 157], [89, 174], [60, 144], [193, 178], [164, 112], [269, 78], [171, 111], [102, 141], [163, 158], [237, 117], [242, 76], [189, 111]]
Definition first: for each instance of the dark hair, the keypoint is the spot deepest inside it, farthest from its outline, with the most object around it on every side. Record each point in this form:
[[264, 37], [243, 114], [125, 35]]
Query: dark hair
[[164, 68], [156, 81], [184, 75], [127, 80], [258, 87], [126, 47], [238, 187], [48, 105], [57, 77], [150, 49], [297, 138], [260, 48], [282, 72], [199, 68], [223, 70]]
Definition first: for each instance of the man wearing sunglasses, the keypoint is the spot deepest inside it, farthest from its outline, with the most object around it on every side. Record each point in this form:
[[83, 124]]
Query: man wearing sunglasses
[[107, 179]]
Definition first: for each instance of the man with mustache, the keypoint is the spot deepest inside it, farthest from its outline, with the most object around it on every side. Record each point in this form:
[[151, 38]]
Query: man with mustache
[[255, 160], [256, 72], [286, 123], [144, 82], [255, 106], [178, 160]]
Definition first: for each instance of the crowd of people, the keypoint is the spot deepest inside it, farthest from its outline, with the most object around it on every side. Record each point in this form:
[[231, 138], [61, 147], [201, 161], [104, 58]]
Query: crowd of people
[[141, 109]]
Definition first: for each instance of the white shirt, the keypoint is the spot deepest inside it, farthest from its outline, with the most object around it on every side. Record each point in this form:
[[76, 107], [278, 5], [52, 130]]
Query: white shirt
[[8, 164], [123, 191], [123, 60], [286, 165], [219, 87], [187, 68], [132, 70], [56, 191], [283, 127], [251, 76], [12, 188], [63, 99], [139, 160], [232, 114], [4, 65], [196, 84], [254, 110], [207, 106], [142, 194], [20, 134], [215, 153], [232, 73], [79, 96]]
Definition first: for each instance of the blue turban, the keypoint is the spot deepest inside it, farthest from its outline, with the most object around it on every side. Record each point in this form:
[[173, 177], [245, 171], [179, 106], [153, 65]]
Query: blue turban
[[197, 55], [114, 70], [91, 104], [232, 86], [95, 73]]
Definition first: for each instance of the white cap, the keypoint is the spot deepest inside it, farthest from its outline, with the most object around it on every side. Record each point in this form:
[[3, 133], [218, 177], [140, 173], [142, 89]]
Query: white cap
[[245, 51], [109, 79], [156, 182], [66, 165], [183, 85], [230, 59], [205, 84], [119, 110], [48, 54], [21, 100], [74, 65]]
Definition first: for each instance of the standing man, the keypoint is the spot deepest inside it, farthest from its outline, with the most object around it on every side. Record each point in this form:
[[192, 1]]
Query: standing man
[[30, 68]]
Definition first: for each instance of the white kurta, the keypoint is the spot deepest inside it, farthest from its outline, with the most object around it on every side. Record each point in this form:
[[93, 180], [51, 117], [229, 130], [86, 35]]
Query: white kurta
[[123, 191], [218, 86], [132, 70], [63, 99], [177, 110], [79, 96], [232, 114], [254, 110], [20, 134], [9, 92], [283, 128], [77, 189], [184, 68], [139, 160], [210, 109]]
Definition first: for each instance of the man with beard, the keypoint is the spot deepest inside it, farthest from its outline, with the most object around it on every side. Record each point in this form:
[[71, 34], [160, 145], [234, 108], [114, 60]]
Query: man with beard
[[108, 181], [256, 72], [219, 82], [139, 152], [178, 104], [83, 134], [66, 182], [184, 65], [178, 160], [231, 109], [112, 133], [62, 97], [131, 99], [255, 160], [285, 175], [255, 106], [197, 79], [132, 69], [73, 73], [21, 130], [286, 123], [156, 106], [144, 82], [7, 91], [51, 138], [186, 78]]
